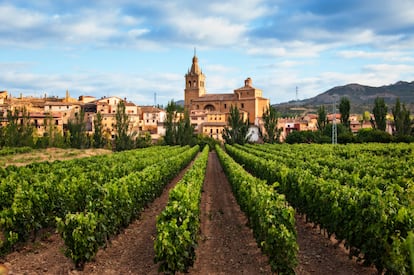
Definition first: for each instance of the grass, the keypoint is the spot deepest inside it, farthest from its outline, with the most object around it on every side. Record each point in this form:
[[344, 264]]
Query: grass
[[49, 154]]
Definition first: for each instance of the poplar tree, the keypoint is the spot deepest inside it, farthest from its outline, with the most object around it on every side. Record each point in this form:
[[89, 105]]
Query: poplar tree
[[270, 118], [380, 114]]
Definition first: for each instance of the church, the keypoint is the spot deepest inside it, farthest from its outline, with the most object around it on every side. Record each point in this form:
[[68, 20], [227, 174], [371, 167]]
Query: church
[[209, 112]]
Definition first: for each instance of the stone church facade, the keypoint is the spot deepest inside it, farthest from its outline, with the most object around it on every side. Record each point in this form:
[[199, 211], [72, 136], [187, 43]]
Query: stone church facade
[[209, 112]]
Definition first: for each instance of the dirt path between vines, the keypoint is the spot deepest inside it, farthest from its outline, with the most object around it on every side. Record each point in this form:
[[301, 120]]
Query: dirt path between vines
[[226, 244]]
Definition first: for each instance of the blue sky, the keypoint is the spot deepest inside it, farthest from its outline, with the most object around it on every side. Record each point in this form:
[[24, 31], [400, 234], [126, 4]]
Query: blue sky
[[133, 49]]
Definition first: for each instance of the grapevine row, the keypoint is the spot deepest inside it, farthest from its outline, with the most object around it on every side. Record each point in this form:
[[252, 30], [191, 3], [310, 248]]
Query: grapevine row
[[270, 217], [119, 202], [179, 224], [32, 201], [373, 219]]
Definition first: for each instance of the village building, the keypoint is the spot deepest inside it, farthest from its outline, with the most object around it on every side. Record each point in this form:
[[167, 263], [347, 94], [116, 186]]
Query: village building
[[209, 112]]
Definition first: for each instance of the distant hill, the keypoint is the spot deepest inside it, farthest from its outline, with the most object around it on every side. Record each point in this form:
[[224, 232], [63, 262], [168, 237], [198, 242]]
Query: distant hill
[[361, 97], [180, 103]]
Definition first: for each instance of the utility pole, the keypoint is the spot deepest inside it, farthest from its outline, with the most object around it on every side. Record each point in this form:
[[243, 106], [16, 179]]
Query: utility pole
[[334, 128]]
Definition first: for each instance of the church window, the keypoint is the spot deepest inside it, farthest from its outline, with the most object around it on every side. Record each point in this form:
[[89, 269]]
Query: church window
[[194, 84], [225, 106], [242, 105], [189, 83]]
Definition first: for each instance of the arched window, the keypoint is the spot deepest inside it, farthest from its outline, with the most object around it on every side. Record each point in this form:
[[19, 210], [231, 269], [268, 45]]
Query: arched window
[[209, 107], [194, 84]]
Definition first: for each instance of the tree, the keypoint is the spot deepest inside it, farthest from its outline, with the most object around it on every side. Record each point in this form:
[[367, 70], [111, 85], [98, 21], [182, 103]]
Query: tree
[[98, 134], [271, 132], [123, 139], [185, 131], [18, 131], [170, 126], [344, 109], [322, 120], [77, 131], [402, 121], [52, 137], [179, 132], [238, 129], [380, 114]]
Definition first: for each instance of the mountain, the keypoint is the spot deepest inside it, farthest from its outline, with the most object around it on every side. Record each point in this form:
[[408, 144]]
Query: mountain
[[361, 98]]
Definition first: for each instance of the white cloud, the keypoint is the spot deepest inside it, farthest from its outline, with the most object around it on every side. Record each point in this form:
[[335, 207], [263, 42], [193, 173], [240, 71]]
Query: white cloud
[[13, 18]]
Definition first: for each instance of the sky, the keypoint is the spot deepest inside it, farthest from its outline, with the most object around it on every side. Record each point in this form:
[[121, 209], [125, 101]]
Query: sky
[[141, 50]]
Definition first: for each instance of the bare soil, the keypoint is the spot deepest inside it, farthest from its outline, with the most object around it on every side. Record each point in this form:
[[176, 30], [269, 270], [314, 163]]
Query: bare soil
[[226, 244]]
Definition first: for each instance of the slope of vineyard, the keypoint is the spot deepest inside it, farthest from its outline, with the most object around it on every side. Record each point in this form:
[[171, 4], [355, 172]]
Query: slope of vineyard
[[363, 194]]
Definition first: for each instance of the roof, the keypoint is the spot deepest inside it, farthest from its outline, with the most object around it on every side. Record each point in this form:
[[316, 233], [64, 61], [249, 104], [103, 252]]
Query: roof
[[150, 109], [215, 97]]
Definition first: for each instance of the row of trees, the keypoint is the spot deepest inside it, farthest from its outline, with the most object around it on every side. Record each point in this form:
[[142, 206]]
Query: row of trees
[[402, 125], [237, 130], [19, 132]]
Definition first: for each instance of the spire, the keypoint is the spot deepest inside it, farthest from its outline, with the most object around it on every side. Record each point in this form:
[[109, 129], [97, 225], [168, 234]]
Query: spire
[[195, 68]]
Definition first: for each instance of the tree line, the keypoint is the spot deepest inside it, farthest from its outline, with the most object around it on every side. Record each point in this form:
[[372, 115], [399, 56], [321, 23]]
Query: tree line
[[20, 132], [401, 125]]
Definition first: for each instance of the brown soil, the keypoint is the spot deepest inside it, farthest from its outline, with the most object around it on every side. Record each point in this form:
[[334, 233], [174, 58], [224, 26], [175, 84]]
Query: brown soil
[[226, 244]]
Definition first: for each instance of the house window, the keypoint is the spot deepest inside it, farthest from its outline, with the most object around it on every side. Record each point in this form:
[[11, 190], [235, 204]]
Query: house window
[[225, 106], [242, 105], [56, 122]]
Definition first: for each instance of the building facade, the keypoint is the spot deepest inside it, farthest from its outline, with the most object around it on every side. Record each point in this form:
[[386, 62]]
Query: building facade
[[209, 112]]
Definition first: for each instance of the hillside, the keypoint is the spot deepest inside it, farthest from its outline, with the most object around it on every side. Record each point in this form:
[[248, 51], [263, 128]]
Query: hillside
[[361, 97]]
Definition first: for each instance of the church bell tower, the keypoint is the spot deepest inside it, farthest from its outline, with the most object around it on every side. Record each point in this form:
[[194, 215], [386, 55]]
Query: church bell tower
[[194, 83]]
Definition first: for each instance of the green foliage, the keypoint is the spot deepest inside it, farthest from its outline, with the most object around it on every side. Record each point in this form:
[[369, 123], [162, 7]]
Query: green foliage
[[373, 135], [203, 140], [143, 140], [322, 119], [302, 137], [116, 203], [402, 121], [123, 139], [78, 231], [344, 109], [380, 113], [270, 217], [77, 131], [16, 150], [236, 132], [33, 195], [99, 140], [18, 132], [179, 223], [178, 131], [270, 118], [361, 193]]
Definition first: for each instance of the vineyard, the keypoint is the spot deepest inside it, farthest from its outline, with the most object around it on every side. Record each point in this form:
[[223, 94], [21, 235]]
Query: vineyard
[[361, 194]]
